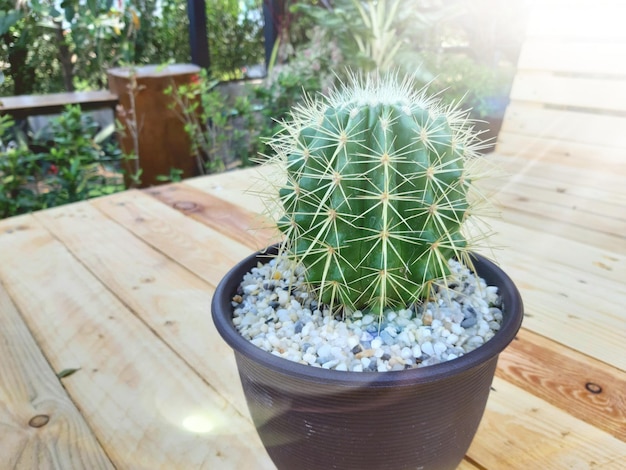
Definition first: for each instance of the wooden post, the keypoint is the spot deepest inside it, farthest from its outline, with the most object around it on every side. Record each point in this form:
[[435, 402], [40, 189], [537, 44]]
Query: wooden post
[[152, 130]]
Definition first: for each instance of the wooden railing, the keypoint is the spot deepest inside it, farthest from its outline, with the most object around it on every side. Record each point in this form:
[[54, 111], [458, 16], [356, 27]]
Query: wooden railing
[[21, 107]]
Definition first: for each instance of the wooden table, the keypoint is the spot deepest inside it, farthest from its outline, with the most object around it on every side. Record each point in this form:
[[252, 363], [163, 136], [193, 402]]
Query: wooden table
[[118, 290]]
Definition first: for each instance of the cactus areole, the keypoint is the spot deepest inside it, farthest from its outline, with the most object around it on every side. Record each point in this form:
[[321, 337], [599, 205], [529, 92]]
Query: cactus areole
[[376, 192]]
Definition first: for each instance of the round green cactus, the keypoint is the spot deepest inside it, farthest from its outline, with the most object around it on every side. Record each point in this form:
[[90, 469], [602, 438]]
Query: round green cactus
[[376, 191]]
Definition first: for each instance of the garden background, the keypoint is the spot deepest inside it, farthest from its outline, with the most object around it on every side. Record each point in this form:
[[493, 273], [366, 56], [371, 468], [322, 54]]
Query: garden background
[[466, 50]]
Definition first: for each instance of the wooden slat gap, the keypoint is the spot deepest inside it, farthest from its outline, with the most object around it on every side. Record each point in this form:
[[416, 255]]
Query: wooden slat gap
[[581, 109]]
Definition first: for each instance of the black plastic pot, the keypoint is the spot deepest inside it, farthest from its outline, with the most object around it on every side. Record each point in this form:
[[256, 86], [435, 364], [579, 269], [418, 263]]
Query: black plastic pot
[[316, 419]]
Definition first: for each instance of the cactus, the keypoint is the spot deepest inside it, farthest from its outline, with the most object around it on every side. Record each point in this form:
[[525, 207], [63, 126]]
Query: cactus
[[377, 191]]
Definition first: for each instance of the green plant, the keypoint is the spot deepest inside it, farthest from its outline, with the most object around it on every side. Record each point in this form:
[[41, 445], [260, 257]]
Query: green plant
[[235, 34], [19, 173], [219, 132], [377, 34], [79, 163], [378, 190], [464, 49], [481, 88], [79, 159], [311, 68], [54, 46]]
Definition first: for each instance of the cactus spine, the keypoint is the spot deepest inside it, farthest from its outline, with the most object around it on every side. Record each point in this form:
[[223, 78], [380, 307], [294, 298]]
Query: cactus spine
[[376, 191]]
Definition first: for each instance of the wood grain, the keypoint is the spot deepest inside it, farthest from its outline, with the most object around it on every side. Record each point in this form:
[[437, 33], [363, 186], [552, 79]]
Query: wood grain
[[39, 425], [241, 187], [146, 406], [566, 305], [601, 130], [579, 385], [206, 252], [527, 220], [556, 205], [522, 431], [167, 297], [233, 220], [538, 166], [605, 94]]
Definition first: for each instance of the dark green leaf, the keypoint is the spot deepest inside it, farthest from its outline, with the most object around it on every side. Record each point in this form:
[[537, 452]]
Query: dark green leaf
[[66, 372]]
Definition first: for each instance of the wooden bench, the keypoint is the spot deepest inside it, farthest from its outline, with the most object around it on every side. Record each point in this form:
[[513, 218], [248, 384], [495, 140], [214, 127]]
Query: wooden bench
[[563, 139], [24, 106]]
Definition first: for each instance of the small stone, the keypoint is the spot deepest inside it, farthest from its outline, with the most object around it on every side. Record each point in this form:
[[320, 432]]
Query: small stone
[[387, 338], [309, 358], [277, 313], [468, 322], [439, 348], [427, 348], [365, 353]]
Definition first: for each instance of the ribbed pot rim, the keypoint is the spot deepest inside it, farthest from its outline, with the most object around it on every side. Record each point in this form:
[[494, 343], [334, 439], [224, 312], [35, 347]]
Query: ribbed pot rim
[[222, 309]]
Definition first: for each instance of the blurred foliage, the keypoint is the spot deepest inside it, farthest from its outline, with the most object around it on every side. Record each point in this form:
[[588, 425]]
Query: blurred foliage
[[222, 131], [49, 46], [235, 29], [79, 162], [464, 49], [309, 68]]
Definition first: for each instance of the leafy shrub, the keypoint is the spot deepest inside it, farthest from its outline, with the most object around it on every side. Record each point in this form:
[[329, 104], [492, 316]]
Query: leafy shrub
[[235, 30], [311, 68], [221, 133], [77, 164]]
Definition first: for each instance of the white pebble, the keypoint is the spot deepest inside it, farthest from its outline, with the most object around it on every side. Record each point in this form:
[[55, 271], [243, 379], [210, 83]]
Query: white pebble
[[305, 332], [427, 348]]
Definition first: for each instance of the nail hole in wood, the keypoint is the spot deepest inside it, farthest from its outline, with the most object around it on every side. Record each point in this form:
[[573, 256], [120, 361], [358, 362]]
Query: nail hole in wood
[[185, 205], [593, 388], [39, 421]]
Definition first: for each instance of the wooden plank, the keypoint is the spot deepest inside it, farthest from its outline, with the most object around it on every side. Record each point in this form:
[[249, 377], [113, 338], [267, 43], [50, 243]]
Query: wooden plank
[[604, 217], [571, 126], [573, 57], [535, 165], [556, 248], [166, 296], [579, 385], [142, 400], [467, 464], [204, 251], [593, 158], [582, 19], [607, 94], [240, 187], [30, 105], [546, 182], [581, 235], [522, 431], [39, 424], [231, 219], [569, 304]]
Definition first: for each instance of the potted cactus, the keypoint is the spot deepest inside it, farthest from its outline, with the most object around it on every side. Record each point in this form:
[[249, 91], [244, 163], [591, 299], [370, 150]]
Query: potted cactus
[[356, 337]]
